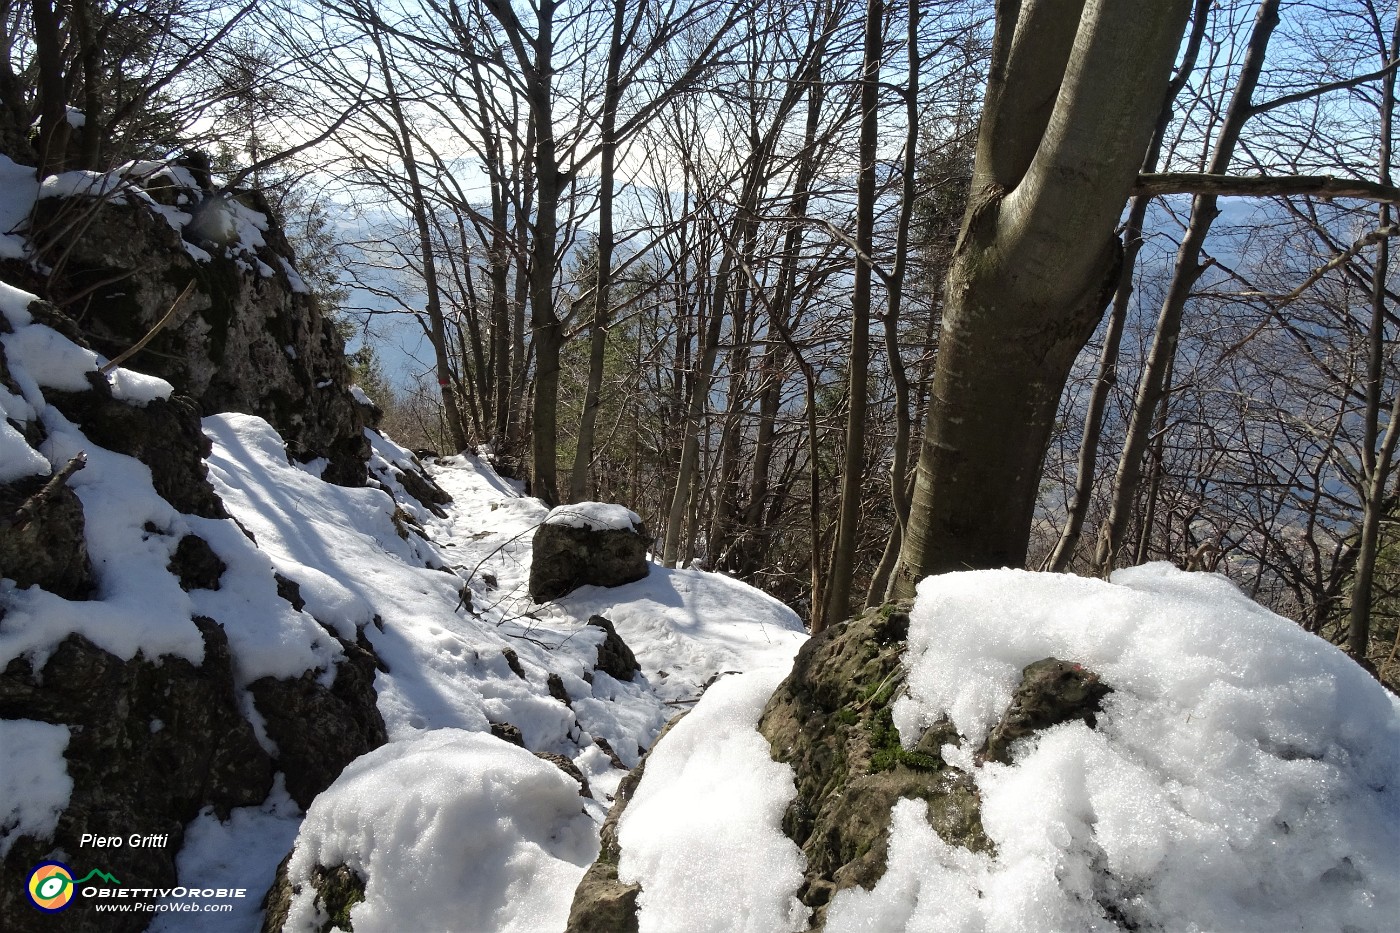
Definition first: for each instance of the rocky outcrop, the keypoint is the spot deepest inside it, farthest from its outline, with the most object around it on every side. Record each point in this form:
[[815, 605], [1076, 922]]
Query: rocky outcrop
[[248, 337], [152, 742], [318, 730], [568, 556], [164, 434], [337, 891], [41, 534], [156, 740], [831, 720]]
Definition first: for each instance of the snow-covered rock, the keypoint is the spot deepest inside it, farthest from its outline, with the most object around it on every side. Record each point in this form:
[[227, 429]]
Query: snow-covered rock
[[1207, 766], [587, 544]]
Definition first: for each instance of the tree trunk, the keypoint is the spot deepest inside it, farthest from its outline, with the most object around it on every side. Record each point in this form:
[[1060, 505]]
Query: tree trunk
[[1186, 271], [858, 364], [1376, 463], [1074, 89]]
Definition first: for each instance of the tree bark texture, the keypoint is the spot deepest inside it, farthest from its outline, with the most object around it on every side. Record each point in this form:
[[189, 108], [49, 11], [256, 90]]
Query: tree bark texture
[[1074, 89]]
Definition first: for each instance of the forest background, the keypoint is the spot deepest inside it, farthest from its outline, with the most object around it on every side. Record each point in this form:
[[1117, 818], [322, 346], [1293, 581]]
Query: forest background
[[691, 257]]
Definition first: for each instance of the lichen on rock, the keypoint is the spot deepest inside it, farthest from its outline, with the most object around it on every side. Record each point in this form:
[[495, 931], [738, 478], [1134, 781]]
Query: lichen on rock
[[830, 720]]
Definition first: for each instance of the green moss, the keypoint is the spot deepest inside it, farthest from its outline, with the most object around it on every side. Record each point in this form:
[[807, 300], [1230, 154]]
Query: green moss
[[846, 716], [887, 751], [340, 889]]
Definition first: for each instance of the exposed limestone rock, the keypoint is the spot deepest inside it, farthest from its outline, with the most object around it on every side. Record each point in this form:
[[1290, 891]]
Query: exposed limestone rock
[[319, 730], [513, 662], [614, 657], [196, 564], [41, 537], [153, 741], [569, 768], [163, 434], [830, 719], [508, 733], [555, 685], [418, 484], [1051, 692], [337, 891], [566, 558], [248, 338]]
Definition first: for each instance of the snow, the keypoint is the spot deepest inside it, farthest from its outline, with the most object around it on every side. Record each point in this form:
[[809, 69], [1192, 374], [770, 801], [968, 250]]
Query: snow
[[18, 189], [49, 358], [17, 458], [240, 852], [1244, 775], [452, 830], [81, 183], [684, 625], [34, 783], [138, 388], [599, 516], [294, 279], [703, 832], [14, 304]]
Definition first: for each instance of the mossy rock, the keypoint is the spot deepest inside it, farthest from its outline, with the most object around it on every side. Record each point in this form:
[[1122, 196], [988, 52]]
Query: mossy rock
[[831, 720], [338, 890]]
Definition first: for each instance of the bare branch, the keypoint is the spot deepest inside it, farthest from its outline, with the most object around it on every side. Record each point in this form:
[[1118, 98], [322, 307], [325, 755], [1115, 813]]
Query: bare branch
[[1320, 186]]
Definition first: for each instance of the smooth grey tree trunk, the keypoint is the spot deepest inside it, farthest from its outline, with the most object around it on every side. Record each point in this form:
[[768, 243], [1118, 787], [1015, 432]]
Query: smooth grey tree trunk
[[1074, 89]]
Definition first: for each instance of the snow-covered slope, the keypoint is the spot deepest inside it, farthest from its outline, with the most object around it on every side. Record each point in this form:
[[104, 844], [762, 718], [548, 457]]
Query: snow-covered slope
[[1242, 776], [302, 571], [448, 679]]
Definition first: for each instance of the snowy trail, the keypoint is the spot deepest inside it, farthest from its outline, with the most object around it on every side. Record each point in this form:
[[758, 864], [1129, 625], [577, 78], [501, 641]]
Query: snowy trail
[[456, 667]]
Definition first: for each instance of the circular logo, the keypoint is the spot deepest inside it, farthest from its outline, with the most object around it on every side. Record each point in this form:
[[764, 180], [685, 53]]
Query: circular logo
[[50, 886]]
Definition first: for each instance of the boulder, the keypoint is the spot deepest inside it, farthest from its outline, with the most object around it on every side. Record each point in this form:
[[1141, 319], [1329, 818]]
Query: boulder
[[587, 543], [152, 742], [831, 720], [319, 730], [338, 890]]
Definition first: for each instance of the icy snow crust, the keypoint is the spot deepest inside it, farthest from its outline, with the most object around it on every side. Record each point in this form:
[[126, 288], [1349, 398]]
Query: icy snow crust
[[1244, 776], [703, 833], [454, 830], [34, 783]]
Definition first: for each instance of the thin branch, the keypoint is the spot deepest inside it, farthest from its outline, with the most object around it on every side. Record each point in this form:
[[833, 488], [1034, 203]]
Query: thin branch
[[1321, 186], [159, 326]]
